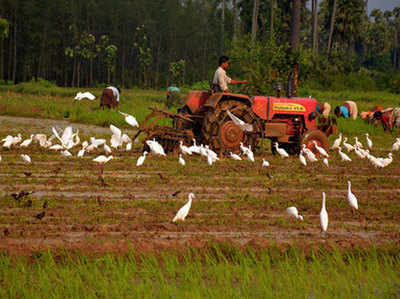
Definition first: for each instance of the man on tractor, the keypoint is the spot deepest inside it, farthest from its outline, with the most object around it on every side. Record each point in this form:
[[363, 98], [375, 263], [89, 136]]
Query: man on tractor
[[221, 80]]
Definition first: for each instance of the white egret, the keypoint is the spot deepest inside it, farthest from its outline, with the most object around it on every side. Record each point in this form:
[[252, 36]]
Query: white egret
[[396, 145], [281, 151], [235, 157], [26, 158], [107, 149], [302, 159], [240, 123], [131, 120], [292, 212], [351, 197], [320, 149], [348, 146], [27, 142], [194, 148], [141, 159], [326, 162], [265, 163], [337, 142], [244, 149], [181, 161], [155, 147], [66, 153], [323, 215], [369, 141], [102, 159], [56, 147], [84, 95], [81, 153], [358, 143], [343, 156], [310, 155], [184, 211], [184, 149], [250, 156]]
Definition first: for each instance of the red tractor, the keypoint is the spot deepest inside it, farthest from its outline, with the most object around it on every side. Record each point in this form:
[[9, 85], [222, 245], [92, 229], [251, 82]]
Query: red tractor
[[208, 118]]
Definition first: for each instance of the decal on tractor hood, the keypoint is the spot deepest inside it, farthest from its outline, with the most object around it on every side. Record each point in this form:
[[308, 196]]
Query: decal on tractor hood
[[288, 107]]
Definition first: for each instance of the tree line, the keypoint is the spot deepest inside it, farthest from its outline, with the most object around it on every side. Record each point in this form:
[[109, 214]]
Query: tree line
[[155, 43]]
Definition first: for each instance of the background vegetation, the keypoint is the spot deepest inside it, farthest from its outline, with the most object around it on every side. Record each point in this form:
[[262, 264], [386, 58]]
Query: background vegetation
[[156, 43]]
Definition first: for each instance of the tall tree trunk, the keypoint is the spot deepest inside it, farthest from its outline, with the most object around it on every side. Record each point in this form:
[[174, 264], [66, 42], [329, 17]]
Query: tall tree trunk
[[395, 49], [78, 73], [1, 59], [73, 73], [254, 25], [295, 26], [10, 47], [366, 7], [91, 72], [332, 25], [14, 73], [234, 10], [294, 47], [223, 27], [315, 26], [271, 21]]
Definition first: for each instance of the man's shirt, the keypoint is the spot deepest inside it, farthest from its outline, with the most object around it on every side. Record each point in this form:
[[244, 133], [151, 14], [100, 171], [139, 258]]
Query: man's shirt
[[221, 78]]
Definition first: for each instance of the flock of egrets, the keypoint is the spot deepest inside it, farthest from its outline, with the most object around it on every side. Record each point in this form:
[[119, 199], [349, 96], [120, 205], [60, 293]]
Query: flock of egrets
[[69, 139]]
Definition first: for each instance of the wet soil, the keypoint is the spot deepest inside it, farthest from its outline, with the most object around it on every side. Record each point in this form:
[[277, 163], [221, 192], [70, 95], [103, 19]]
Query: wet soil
[[236, 201]]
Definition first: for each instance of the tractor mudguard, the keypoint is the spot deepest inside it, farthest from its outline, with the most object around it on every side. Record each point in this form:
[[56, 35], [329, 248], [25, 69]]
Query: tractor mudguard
[[213, 101]]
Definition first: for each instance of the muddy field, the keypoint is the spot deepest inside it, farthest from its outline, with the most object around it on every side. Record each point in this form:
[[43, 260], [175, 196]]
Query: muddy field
[[236, 201]]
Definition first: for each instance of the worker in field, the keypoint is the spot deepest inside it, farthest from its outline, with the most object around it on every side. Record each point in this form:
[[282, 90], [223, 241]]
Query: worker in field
[[173, 96], [110, 97], [221, 80], [323, 109], [347, 110]]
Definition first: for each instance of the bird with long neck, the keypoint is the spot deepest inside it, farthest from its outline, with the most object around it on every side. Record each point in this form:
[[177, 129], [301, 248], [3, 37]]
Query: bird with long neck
[[351, 198], [323, 215], [184, 211]]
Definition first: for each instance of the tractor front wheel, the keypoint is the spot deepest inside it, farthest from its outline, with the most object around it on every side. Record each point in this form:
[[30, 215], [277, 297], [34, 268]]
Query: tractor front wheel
[[315, 135]]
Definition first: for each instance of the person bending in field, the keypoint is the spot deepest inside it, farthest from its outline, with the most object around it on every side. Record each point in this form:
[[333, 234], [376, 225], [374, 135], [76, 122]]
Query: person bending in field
[[323, 109], [221, 80], [110, 97], [347, 110]]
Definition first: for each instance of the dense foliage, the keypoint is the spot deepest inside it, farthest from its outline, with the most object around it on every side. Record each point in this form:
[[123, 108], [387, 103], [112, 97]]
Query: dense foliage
[[156, 43]]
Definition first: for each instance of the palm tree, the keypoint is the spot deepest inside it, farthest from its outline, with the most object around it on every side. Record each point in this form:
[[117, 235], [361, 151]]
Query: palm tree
[[315, 26], [332, 24], [254, 20]]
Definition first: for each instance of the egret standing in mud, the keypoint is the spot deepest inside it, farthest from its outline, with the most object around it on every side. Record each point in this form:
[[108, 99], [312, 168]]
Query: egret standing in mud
[[281, 151], [369, 141], [235, 157], [351, 198], [102, 160], [323, 215], [141, 159], [184, 211], [26, 158], [181, 161], [293, 212], [265, 163]]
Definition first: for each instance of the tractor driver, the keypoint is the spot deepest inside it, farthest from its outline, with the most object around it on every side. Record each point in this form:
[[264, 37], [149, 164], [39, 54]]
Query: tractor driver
[[221, 80]]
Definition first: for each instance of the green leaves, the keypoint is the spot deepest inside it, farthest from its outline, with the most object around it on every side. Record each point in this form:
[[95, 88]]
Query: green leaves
[[4, 28]]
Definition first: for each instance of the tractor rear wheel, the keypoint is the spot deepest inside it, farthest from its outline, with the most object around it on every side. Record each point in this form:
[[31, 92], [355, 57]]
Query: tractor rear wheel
[[315, 135], [223, 135]]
